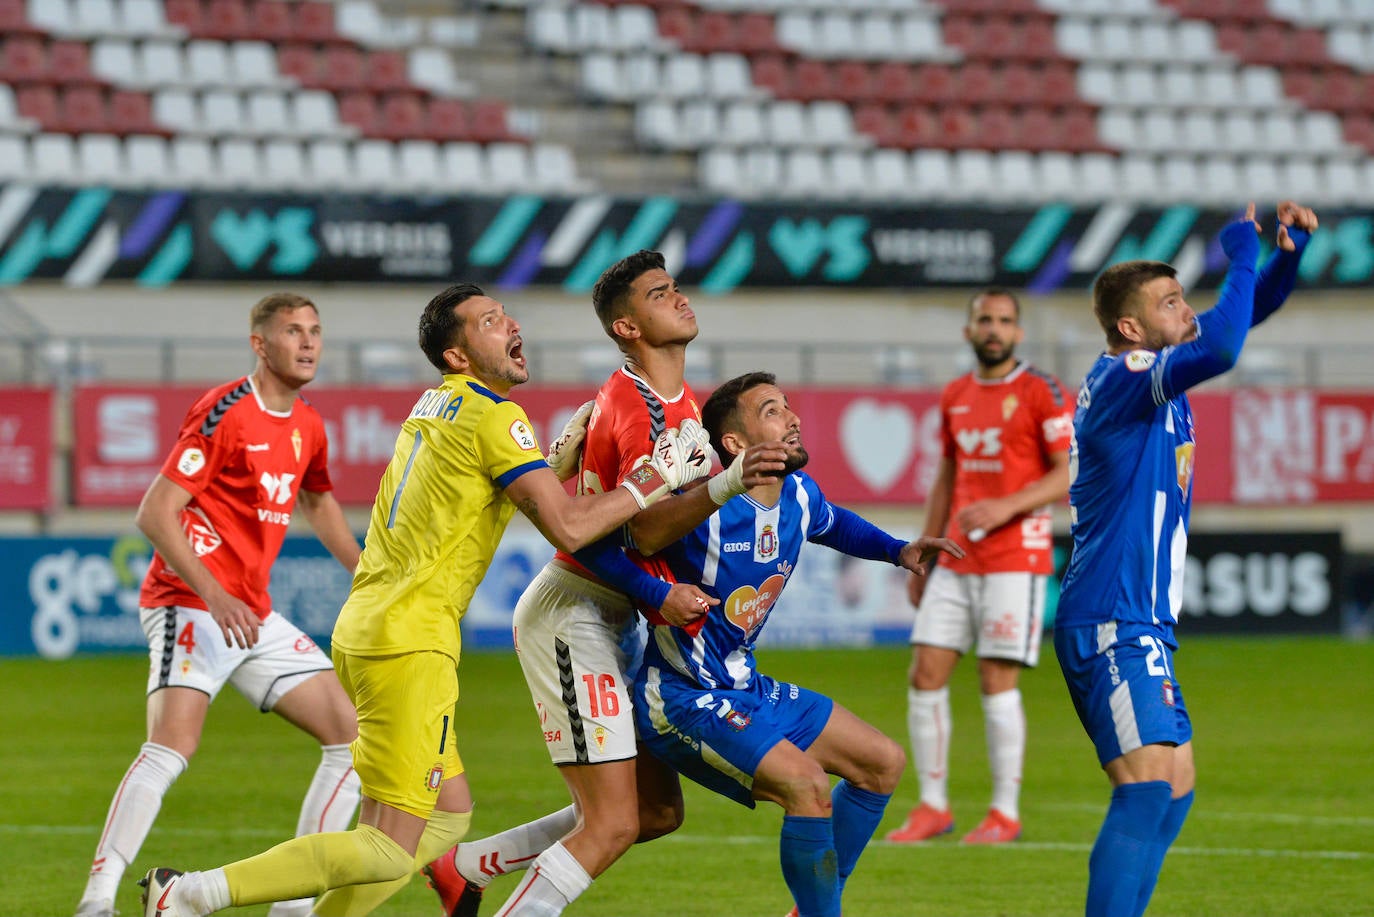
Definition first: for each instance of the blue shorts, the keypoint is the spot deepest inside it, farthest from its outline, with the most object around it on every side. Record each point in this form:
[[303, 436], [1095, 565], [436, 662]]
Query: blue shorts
[[1121, 679], [718, 737]]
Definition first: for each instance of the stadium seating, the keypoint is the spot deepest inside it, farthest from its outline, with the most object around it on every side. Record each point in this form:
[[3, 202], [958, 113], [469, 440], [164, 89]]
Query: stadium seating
[[1018, 100]]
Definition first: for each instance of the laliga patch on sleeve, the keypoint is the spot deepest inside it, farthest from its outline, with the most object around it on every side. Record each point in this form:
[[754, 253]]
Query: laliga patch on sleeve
[[1137, 361], [523, 437], [191, 461]]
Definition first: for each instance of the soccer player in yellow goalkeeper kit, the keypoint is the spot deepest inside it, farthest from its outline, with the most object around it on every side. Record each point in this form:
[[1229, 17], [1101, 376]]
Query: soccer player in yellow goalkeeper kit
[[466, 458]]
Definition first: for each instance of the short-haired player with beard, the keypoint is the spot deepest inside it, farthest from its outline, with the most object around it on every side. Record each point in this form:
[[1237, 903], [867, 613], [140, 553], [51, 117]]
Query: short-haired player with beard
[[701, 705], [1006, 429]]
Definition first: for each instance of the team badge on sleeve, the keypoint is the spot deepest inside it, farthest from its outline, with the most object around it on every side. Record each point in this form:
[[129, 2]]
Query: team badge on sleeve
[[523, 436], [1137, 361], [191, 461]]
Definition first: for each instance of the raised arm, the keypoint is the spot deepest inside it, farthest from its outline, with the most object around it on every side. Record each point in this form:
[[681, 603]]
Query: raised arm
[[1280, 273]]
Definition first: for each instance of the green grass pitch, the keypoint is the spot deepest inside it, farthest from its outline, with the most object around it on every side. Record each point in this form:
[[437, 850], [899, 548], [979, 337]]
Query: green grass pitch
[[1283, 823]]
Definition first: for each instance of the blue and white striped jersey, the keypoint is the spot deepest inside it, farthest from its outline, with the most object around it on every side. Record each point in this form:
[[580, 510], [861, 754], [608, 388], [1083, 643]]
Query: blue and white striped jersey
[[1131, 466], [743, 555]]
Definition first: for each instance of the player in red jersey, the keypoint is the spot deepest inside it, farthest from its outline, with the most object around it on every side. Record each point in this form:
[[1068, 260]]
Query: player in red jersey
[[1006, 429], [248, 454], [577, 637]]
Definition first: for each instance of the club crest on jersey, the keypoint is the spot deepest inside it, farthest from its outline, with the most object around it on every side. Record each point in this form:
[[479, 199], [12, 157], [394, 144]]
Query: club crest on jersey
[[599, 737], [191, 462], [1009, 404], [1137, 361], [767, 545], [296, 443], [523, 436], [1183, 459], [737, 720], [1167, 689], [436, 777]]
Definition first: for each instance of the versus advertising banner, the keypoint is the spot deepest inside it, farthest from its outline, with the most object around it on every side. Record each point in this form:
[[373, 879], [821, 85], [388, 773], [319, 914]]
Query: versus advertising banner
[[68, 595], [26, 446], [84, 236], [868, 445]]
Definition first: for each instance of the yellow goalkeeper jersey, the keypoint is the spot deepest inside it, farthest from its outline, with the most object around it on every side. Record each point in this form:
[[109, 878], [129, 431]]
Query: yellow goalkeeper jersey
[[440, 512]]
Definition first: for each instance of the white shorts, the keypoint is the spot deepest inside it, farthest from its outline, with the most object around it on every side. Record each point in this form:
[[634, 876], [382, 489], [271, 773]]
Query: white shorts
[[1003, 612], [186, 650], [578, 644]]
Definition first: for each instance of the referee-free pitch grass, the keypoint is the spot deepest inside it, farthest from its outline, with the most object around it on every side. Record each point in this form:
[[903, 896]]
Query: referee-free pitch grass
[[1283, 823]]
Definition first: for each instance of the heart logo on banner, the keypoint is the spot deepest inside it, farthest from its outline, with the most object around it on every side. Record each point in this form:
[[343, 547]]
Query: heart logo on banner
[[878, 441]]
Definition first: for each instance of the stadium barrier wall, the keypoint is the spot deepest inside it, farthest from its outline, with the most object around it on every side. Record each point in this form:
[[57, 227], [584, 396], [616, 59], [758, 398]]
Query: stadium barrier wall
[[869, 445], [84, 236], [80, 595]]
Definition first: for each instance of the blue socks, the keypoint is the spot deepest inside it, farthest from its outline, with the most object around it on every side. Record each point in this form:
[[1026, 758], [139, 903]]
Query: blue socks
[[807, 849], [856, 814], [1123, 853], [1168, 831]]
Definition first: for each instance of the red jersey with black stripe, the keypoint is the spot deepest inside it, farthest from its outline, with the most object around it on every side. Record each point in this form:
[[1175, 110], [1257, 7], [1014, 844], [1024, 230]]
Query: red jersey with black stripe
[[244, 466], [628, 417], [1000, 434]]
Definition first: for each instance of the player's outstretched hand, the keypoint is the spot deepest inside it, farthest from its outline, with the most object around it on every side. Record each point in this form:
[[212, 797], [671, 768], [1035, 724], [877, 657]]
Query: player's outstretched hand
[[685, 604], [1291, 213], [762, 463], [236, 620], [916, 555], [1240, 240], [566, 451]]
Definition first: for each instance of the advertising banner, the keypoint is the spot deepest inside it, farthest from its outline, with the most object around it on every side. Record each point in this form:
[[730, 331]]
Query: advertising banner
[[26, 445], [86, 235]]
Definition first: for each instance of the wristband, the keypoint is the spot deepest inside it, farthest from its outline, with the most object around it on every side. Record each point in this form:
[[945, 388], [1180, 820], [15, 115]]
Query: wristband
[[729, 483]]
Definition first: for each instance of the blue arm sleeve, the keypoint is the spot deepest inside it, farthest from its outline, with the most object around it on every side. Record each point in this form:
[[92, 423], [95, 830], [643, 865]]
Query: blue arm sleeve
[[608, 561], [854, 535], [1221, 329], [1278, 276]]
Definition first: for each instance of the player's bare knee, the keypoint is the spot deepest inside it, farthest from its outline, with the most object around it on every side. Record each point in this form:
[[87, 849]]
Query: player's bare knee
[[889, 766], [659, 818]]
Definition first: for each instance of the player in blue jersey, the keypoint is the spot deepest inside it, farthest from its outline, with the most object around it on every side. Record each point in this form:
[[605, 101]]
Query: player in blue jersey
[[1131, 468], [700, 704]]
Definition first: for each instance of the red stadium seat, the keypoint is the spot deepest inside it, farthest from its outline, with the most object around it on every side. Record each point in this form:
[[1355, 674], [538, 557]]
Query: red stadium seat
[[25, 60], [716, 32], [487, 118], [976, 83], [1078, 131], [998, 37], [447, 119], [386, 70], [300, 62], [1269, 43], [1019, 83], [1059, 83], [934, 83], [1359, 129], [185, 13], [877, 121], [342, 68], [69, 62], [132, 113], [1232, 37], [314, 21], [358, 109], [402, 117], [917, 127], [961, 32], [812, 79], [38, 102], [997, 129], [1341, 91], [14, 19], [958, 127], [1307, 45], [226, 20], [1037, 129], [1037, 41], [679, 24], [271, 21], [773, 73], [756, 34], [83, 111], [894, 81], [853, 81]]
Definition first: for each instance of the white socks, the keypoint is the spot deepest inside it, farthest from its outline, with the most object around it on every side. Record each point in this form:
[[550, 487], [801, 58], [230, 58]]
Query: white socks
[[132, 813], [482, 860], [1005, 723], [555, 882], [328, 806], [928, 725]]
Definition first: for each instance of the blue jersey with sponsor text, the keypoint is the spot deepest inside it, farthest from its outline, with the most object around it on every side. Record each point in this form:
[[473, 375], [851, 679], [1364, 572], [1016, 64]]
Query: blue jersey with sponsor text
[[743, 555], [1131, 466]]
